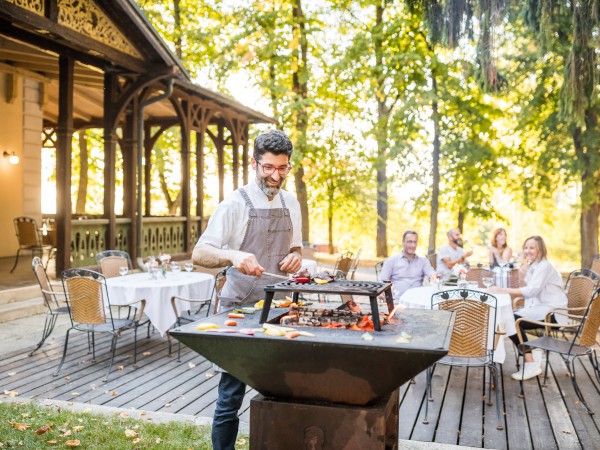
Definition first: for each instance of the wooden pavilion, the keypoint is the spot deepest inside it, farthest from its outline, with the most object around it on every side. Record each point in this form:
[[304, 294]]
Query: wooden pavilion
[[68, 65]]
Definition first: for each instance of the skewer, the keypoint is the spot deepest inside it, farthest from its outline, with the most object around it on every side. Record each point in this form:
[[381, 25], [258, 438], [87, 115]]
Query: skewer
[[275, 275]]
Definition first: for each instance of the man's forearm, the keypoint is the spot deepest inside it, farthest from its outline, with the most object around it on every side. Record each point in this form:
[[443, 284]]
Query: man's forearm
[[208, 256]]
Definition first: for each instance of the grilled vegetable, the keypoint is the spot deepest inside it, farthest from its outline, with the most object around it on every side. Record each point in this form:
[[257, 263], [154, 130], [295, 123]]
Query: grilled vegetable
[[206, 326], [230, 323], [235, 316]]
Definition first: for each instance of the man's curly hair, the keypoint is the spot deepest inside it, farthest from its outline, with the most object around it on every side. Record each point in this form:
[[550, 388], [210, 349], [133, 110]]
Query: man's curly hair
[[273, 141]]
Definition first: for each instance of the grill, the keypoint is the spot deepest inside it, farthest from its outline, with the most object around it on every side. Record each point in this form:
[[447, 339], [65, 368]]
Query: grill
[[335, 389], [371, 289]]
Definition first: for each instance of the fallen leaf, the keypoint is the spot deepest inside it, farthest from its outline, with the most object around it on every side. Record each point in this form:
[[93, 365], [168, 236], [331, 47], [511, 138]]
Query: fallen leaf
[[124, 415], [70, 403], [25, 415], [136, 440], [209, 375], [78, 428], [167, 405], [52, 442], [43, 429], [11, 393], [147, 353], [240, 442], [19, 426], [113, 393], [75, 394], [130, 433], [73, 443], [67, 377], [158, 440], [12, 374], [120, 367], [142, 413], [66, 433], [191, 365]]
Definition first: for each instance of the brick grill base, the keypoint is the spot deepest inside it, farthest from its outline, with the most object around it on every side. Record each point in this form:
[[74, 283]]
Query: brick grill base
[[276, 424]]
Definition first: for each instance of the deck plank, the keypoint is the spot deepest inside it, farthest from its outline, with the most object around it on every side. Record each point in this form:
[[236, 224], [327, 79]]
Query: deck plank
[[448, 429], [472, 418]]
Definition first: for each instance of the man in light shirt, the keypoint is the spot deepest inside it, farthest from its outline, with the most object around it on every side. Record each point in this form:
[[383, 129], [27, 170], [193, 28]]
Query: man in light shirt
[[452, 253], [406, 270]]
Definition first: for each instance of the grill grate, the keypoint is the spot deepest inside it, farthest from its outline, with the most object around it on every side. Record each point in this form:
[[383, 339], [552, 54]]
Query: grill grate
[[371, 289]]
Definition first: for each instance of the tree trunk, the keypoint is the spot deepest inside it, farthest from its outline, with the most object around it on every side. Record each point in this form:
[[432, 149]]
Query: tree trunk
[[381, 160], [435, 191], [300, 88], [83, 174], [460, 222], [177, 30], [330, 220]]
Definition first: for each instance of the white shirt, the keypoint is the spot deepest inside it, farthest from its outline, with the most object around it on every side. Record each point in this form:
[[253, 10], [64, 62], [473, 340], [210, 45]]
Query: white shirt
[[227, 226], [543, 292], [447, 252]]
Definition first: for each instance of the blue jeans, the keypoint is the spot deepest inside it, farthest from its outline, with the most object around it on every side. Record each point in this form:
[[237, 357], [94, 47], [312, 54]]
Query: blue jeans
[[226, 421]]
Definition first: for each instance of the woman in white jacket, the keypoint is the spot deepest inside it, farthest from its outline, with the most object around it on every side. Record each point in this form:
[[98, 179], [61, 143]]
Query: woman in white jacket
[[543, 291]]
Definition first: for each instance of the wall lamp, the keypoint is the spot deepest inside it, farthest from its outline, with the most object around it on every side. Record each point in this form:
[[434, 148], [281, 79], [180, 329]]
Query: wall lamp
[[12, 158]]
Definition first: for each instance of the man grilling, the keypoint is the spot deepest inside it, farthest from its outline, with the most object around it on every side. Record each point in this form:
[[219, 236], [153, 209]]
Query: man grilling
[[257, 229]]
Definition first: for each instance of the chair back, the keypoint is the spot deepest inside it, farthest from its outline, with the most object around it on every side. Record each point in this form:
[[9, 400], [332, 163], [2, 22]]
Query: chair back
[[85, 290], [220, 279], [344, 262], [110, 261], [354, 265], [27, 232], [478, 274], [378, 267], [514, 279], [433, 260], [596, 264], [473, 312], [580, 287], [591, 322], [42, 278]]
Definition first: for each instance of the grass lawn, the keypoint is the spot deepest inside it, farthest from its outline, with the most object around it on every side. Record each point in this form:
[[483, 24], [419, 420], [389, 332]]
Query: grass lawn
[[30, 426]]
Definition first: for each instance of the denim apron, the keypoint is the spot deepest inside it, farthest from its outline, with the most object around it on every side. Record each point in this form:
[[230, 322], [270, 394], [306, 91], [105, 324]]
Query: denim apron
[[269, 237]]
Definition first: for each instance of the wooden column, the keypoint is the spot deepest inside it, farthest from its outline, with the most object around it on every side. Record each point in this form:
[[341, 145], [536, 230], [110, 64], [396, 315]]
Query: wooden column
[[110, 141], [64, 138], [235, 154], [148, 145], [220, 144], [130, 153], [200, 136], [245, 158], [185, 177]]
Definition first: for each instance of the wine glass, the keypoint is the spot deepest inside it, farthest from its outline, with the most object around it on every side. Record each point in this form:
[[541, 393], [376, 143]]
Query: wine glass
[[488, 281], [189, 267], [123, 270], [175, 268]]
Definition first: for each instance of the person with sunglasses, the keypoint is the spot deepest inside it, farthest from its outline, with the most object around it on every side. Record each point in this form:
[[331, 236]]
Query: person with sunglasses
[[257, 229]]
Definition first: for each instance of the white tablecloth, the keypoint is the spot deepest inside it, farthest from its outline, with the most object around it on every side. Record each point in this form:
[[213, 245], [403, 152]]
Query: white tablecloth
[[158, 293], [420, 298]]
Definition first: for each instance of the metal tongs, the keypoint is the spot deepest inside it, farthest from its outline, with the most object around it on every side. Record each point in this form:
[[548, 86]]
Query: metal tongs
[[275, 275]]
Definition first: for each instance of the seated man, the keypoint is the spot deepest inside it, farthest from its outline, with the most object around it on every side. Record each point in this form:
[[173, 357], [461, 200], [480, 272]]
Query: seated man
[[452, 253], [406, 270]]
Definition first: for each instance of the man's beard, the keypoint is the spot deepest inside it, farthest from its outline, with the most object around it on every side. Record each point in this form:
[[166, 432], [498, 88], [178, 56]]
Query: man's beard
[[269, 190], [458, 242]]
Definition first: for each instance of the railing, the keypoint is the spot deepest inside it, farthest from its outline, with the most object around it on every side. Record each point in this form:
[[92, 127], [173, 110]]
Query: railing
[[159, 235]]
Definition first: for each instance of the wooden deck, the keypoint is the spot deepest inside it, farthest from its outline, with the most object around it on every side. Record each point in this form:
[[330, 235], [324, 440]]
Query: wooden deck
[[549, 417]]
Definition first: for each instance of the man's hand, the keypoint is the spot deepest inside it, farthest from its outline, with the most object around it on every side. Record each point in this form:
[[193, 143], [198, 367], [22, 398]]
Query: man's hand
[[292, 263], [247, 263]]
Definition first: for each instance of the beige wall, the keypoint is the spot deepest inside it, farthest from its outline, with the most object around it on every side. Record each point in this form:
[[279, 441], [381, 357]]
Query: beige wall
[[20, 131]]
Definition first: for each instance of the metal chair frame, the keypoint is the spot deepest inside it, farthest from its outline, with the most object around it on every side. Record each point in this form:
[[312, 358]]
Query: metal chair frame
[[86, 290], [582, 344], [54, 300], [344, 262], [109, 262], [29, 238], [194, 315], [469, 342]]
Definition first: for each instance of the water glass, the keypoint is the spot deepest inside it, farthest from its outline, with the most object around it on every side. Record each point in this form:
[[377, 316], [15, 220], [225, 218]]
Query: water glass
[[175, 268], [488, 281], [189, 267], [123, 270]]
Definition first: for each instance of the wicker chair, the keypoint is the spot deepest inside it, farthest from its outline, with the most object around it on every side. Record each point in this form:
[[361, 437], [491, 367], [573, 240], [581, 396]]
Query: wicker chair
[[110, 261], [596, 264], [478, 274], [469, 341], [344, 262], [354, 265], [197, 312], [583, 343], [87, 294], [55, 300], [378, 267], [29, 239]]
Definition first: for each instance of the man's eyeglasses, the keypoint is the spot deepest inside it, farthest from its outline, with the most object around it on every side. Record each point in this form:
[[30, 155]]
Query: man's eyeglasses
[[268, 169]]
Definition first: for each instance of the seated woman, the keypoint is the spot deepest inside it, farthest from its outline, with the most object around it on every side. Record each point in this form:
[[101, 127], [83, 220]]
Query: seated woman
[[543, 292], [499, 252]]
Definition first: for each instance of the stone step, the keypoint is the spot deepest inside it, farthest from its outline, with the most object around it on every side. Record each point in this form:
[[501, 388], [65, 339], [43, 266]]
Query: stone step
[[18, 294], [20, 309]]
